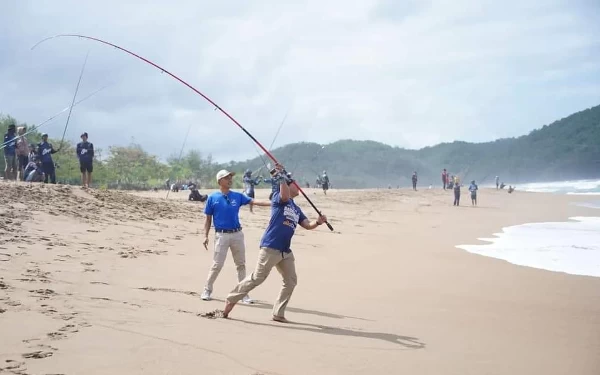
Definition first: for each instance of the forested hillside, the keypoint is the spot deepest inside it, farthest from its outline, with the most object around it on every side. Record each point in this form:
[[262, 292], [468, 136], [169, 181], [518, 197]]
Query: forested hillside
[[566, 149]]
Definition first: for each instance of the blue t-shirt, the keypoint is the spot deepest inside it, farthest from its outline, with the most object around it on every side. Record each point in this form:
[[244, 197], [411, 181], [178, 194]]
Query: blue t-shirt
[[249, 184], [85, 151], [45, 152], [225, 208], [10, 144], [285, 216]]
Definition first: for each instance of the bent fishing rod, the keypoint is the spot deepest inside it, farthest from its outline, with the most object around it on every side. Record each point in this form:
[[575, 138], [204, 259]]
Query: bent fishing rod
[[163, 70]]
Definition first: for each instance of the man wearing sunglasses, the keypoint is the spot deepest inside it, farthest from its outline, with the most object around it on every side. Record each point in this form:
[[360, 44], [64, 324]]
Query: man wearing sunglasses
[[222, 208], [275, 248]]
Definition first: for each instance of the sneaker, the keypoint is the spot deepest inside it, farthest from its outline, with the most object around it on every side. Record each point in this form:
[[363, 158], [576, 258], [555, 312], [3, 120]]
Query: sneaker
[[247, 300], [205, 295]]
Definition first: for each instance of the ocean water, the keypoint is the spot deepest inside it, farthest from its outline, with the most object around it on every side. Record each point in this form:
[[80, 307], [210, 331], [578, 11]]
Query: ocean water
[[576, 187], [572, 247]]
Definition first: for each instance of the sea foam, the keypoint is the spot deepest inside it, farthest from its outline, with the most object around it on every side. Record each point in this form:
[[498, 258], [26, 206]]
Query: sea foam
[[572, 247]]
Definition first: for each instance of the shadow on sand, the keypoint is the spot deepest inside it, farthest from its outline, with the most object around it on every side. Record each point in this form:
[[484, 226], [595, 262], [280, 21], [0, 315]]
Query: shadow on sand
[[405, 341], [267, 306]]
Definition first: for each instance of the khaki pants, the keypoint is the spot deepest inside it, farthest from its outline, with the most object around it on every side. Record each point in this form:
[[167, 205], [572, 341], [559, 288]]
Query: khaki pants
[[267, 259], [224, 242]]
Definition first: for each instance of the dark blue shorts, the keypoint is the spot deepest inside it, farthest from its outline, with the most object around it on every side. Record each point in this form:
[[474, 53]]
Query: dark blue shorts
[[86, 166]]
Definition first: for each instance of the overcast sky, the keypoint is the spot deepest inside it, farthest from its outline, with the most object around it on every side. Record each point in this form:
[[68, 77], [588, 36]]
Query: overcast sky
[[414, 73]]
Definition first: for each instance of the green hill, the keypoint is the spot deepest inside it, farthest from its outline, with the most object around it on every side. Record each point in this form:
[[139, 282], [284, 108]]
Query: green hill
[[566, 149]]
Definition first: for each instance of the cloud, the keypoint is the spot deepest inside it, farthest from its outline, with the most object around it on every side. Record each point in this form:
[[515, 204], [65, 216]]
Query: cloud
[[409, 74]]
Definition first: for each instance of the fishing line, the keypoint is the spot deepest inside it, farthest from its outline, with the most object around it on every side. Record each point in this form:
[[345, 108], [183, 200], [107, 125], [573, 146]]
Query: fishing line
[[197, 92], [36, 127], [73, 101]]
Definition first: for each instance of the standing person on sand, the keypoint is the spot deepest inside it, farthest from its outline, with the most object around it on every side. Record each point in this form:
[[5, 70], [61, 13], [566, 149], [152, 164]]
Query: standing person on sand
[[473, 189], [325, 182], [275, 248], [45, 151], [224, 206], [414, 180], [444, 178], [456, 192], [85, 154], [22, 152], [10, 153]]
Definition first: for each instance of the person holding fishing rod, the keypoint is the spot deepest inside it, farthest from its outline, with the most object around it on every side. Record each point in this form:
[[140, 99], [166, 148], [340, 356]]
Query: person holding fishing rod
[[249, 183], [45, 151], [223, 208], [275, 248]]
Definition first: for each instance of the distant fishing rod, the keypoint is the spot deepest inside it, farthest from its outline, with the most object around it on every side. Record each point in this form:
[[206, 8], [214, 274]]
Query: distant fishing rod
[[266, 165], [73, 101], [180, 154], [199, 93], [36, 127]]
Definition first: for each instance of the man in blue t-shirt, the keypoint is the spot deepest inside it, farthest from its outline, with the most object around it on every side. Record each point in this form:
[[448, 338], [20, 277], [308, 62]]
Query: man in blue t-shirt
[[10, 153], [275, 248], [249, 183], [222, 208], [45, 151], [85, 154]]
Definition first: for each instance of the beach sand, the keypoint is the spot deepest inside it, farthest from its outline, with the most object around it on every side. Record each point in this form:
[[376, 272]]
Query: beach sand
[[105, 282]]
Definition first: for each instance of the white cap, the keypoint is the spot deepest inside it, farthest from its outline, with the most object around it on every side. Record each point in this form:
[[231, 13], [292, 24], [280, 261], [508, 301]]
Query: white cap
[[224, 173]]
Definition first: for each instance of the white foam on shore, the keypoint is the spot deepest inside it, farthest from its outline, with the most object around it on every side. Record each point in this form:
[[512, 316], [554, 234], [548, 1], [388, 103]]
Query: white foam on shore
[[572, 247], [591, 187]]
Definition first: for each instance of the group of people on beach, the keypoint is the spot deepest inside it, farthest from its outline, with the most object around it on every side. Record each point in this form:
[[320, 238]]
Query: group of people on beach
[[250, 183], [26, 161], [222, 212], [453, 182]]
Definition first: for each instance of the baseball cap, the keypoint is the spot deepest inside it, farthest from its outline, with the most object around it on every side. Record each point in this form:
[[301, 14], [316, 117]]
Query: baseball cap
[[44, 134], [85, 133], [224, 173]]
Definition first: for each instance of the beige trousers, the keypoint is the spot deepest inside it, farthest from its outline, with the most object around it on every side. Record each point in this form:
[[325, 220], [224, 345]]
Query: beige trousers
[[267, 259], [224, 242]]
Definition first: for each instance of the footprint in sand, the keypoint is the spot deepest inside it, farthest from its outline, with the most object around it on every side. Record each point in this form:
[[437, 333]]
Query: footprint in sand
[[38, 354], [15, 367]]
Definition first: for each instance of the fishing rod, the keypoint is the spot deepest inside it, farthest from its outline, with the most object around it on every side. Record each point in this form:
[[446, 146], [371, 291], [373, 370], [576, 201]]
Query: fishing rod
[[73, 101], [36, 127], [180, 153], [197, 92]]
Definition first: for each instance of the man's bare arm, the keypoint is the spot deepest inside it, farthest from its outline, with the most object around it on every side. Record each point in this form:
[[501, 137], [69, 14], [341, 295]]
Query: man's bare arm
[[307, 224], [207, 224]]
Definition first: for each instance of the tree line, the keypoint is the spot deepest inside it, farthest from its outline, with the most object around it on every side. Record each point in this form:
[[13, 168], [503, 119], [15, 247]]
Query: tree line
[[566, 149]]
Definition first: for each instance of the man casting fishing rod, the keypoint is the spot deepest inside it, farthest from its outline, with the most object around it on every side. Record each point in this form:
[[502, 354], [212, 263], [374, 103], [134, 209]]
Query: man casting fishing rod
[[275, 248]]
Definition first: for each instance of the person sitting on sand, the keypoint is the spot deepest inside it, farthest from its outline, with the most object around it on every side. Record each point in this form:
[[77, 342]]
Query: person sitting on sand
[[473, 189], [34, 171], [510, 189], [275, 248]]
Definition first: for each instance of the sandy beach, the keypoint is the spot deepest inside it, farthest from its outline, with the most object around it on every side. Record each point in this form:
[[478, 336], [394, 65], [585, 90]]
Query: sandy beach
[[108, 282]]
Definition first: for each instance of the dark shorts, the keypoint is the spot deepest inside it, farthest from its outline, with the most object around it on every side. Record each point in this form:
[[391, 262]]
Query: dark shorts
[[86, 166]]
